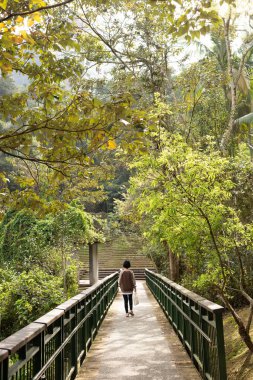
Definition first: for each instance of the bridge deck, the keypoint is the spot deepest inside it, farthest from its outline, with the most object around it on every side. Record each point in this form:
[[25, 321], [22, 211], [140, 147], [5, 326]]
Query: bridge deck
[[140, 347]]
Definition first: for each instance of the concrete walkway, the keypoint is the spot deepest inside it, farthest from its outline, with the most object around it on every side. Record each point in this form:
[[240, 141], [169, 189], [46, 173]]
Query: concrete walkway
[[141, 347]]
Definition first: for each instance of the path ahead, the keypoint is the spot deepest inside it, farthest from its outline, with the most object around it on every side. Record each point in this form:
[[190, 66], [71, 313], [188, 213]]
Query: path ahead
[[141, 347]]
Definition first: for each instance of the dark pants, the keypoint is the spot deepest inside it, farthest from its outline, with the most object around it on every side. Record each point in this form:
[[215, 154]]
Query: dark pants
[[128, 298]]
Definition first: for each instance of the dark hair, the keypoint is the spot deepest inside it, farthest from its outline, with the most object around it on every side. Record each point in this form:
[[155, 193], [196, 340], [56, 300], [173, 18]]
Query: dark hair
[[126, 264]]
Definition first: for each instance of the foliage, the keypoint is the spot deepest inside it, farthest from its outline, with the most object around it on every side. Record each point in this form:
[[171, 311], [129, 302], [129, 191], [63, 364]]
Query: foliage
[[38, 262], [26, 296], [7, 86], [246, 119], [155, 252], [26, 240], [75, 225], [201, 103], [183, 198], [23, 238]]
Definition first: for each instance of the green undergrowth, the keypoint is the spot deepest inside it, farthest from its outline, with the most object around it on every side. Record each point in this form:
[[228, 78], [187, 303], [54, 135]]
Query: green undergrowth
[[239, 361]]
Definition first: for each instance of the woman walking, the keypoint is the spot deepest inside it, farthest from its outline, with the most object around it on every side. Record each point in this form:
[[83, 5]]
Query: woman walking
[[127, 285]]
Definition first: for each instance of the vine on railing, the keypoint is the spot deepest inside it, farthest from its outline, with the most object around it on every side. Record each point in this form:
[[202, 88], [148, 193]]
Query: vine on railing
[[197, 322], [55, 345]]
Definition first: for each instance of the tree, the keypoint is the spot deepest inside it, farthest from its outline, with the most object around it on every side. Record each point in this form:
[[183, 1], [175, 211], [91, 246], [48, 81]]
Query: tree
[[183, 198], [26, 296], [39, 261], [34, 120], [56, 122], [72, 228], [200, 103], [234, 72], [134, 53], [7, 86]]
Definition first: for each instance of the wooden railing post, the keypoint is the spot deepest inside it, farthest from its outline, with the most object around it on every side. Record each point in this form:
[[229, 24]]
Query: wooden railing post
[[4, 359], [39, 358], [220, 345]]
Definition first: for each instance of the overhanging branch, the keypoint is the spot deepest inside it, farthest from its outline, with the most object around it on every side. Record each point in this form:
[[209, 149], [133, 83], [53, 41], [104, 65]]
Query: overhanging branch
[[24, 13]]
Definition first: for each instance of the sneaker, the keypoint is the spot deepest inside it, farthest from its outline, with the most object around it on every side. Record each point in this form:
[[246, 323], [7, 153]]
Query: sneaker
[[131, 313], [127, 314]]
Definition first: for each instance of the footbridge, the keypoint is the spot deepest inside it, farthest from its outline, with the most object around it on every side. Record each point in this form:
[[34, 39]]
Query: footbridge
[[174, 334]]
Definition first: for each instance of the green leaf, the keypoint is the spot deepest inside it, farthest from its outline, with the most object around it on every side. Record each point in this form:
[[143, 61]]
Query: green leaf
[[246, 119]]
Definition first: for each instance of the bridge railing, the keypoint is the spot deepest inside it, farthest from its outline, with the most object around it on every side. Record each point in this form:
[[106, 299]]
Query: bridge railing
[[197, 322], [54, 346]]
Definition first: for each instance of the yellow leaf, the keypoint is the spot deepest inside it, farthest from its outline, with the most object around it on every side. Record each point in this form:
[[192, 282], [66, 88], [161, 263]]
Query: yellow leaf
[[19, 19], [24, 34], [26, 37], [3, 178], [38, 3], [111, 144], [7, 55], [6, 68], [73, 118], [37, 16], [2, 24], [3, 4], [17, 39], [30, 22]]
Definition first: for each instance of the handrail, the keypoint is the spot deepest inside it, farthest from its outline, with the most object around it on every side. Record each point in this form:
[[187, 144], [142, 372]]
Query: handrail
[[197, 322], [54, 346]]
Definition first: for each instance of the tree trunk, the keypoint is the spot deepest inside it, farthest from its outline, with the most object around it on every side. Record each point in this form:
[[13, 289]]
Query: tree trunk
[[228, 134], [245, 337], [242, 329], [173, 264]]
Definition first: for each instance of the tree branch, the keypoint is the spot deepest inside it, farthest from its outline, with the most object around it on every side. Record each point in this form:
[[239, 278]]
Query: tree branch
[[102, 38], [249, 319], [48, 162], [24, 13]]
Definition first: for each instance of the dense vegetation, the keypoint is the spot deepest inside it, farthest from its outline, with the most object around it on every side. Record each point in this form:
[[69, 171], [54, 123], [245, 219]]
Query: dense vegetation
[[138, 112], [39, 262]]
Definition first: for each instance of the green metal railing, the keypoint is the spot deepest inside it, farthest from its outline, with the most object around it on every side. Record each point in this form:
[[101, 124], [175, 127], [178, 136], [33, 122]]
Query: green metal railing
[[197, 322], [55, 345]]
